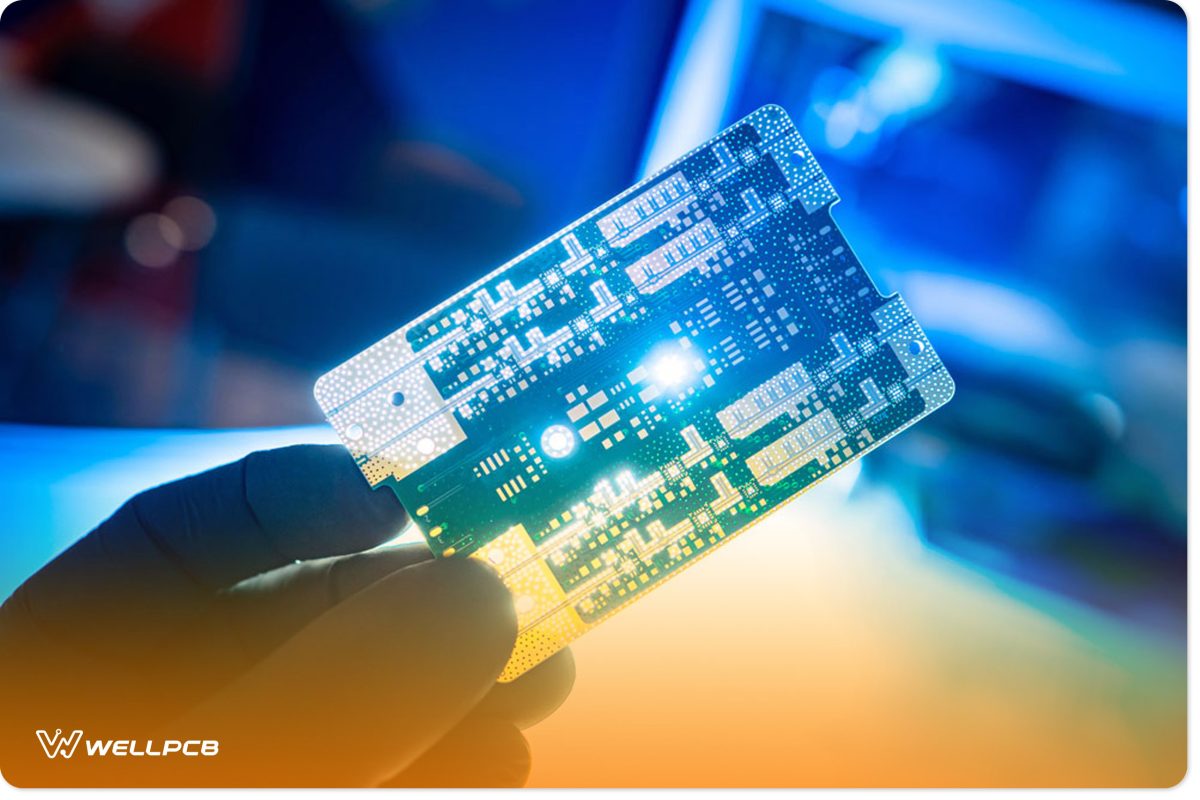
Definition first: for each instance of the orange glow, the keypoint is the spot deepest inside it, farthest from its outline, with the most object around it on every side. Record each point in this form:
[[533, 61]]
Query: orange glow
[[824, 649]]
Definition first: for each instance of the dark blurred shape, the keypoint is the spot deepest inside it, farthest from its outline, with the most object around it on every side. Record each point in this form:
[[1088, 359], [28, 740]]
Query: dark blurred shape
[[320, 171]]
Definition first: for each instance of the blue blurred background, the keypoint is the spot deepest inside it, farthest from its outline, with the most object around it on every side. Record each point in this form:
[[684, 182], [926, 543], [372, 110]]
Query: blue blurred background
[[203, 206]]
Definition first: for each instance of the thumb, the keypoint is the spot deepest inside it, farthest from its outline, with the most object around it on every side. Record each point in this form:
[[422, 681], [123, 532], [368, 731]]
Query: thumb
[[367, 687]]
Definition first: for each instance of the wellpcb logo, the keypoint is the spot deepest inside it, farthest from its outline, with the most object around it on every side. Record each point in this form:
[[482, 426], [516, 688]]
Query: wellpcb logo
[[60, 745]]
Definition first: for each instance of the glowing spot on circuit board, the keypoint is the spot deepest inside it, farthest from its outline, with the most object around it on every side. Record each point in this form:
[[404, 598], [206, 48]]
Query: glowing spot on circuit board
[[671, 370], [558, 441]]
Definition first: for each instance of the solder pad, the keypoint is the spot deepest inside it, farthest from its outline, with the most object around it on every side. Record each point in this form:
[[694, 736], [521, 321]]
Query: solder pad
[[614, 404]]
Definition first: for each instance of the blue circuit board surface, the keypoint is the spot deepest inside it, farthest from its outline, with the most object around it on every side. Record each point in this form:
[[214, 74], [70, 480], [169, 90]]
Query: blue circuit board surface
[[615, 403]]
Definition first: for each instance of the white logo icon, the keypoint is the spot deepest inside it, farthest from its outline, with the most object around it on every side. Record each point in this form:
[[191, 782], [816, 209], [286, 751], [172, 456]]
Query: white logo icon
[[59, 745]]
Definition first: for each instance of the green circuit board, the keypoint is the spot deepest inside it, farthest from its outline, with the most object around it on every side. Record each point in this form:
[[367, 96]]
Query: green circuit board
[[615, 403]]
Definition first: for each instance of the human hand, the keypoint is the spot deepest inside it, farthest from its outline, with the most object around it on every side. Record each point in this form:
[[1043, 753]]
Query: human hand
[[237, 605]]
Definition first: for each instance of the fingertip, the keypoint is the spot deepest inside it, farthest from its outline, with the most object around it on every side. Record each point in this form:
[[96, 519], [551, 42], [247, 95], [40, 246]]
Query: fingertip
[[314, 501], [480, 600], [535, 695], [345, 575], [478, 753], [458, 609]]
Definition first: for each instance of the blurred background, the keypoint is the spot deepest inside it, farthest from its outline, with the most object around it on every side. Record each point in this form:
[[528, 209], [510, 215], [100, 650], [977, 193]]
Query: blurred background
[[205, 205]]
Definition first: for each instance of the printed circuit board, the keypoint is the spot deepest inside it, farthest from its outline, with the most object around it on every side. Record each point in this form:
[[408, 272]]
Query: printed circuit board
[[617, 402]]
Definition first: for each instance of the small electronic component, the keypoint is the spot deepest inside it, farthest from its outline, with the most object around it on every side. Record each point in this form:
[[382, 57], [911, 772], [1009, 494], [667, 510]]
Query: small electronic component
[[616, 403]]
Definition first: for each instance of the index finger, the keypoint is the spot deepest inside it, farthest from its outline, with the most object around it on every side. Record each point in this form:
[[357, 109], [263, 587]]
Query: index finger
[[162, 556]]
